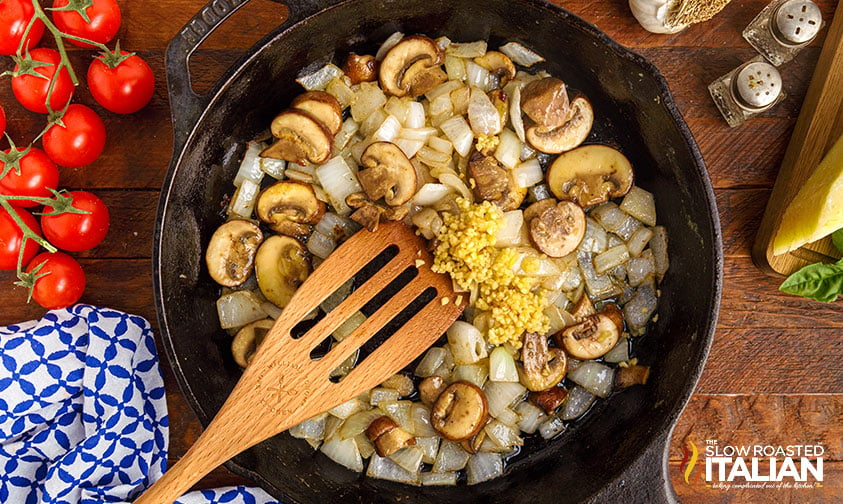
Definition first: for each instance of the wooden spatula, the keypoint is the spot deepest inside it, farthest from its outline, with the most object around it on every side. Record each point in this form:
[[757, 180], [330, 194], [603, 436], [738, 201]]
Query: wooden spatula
[[284, 386]]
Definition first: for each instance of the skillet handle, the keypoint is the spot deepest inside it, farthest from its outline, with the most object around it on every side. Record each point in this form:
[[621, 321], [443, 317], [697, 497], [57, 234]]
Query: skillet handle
[[185, 105], [646, 481]]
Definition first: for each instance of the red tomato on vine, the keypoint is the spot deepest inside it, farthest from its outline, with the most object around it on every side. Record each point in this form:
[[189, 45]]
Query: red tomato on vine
[[80, 141], [61, 280], [31, 91], [76, 232], [121, 82], [14, 18], [104, 16], [37, 176], [11, 238]]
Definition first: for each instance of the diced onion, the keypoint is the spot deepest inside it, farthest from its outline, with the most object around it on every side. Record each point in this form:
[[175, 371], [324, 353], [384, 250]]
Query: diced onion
[[639, 269], [409, 147], [271, 309], [483, 467], [370, 125], [420, 415], [320, 245], [502, 434], [640, 308], [250, 167], [459, 133], [347, 408], [509, 417], [239, 308], [515, 114], [468, 49], [521, 55], [466, 343], [434, 358], [440, 144], [477, 76], [433, 158], [500, 395], [357, 423], [399, 412], [577, 403], [472, 373], [349, 128], [641, 205], [509, 149], [438, 479], [430, 194], [530, 416], [365, 446], [551, 427], [594, 377], [386, 469], [455, 68], [638, 241], [609, 216], [510, 230], [417, 133], [658, 244], [619, 353], [528, 173], [442, 90], [337, 227], [415, 115], [454, 182], [318, 80], [397, 107], [312, 428], [442, 42], [369, 98], [451, 457], [595, 239], [382, 394], [344, 452], [273, 167], [243, 202], [337, 297], [388, 44], [350, 324], [409, 458], [429, 446], [338, 181], [388, 130], [482, 115], [612, 257]]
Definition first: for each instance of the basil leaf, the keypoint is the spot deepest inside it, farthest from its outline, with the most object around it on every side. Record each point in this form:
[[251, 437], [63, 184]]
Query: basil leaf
[[822, 282], [837, 239]]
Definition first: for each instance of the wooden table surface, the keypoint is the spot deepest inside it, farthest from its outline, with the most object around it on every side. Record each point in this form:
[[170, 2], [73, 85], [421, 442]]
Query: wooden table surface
[[774, 375]]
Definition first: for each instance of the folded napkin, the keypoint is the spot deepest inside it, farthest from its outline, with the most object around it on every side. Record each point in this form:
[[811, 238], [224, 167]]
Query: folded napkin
[[83, 417]]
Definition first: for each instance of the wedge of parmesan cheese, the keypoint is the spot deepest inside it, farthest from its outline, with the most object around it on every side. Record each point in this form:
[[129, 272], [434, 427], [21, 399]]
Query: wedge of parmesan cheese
[[817, 210]]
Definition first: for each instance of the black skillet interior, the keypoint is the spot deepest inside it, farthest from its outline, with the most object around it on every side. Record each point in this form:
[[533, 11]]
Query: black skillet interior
[[633, 110]]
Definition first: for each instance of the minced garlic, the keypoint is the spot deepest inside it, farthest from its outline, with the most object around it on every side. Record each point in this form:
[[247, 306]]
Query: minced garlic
[[466, 250]]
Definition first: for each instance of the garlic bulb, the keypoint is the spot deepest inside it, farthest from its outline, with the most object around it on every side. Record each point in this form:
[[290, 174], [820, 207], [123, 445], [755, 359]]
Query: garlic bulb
[[672, 16]]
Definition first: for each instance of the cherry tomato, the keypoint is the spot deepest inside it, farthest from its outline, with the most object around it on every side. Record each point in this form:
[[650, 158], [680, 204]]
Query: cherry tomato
[[31, 91], [2, 121], [63, 282], [11, 237], [14, 17], [123, 89], [80, 141], [77, 232], [104, 16], [37, 175]]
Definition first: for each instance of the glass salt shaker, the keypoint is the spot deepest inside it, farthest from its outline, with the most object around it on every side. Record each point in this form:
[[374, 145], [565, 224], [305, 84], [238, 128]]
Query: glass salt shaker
[[783, 28], [747, 91]]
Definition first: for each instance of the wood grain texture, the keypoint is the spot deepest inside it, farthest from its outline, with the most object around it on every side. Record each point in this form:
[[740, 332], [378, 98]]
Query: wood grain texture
[[771, 349], [819, 126]]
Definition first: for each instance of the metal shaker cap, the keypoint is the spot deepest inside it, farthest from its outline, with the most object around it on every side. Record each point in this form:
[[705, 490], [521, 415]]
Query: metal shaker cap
[[756, 85], [796, 22]]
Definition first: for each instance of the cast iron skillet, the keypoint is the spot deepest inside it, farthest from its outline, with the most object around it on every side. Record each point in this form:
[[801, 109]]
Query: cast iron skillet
[[616, 454]]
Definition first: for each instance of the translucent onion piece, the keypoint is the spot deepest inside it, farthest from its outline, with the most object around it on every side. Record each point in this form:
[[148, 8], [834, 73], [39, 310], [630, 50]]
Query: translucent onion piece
[[338, 181], [510, 231], [466, 343], [415, 115], [459, 133], [482, 115], [483, 467], [612, 257], [594, 377], [347, 408], [409, 458], [609, 216], [599, 286], [250, 167], [530, 416], [388, 130], [421, 420], [421, 134], [619, 353], [430, 194], [639, 269], [239, 308], [318, 80], [500, 395], [502, 434], [243, 202], [468, 49], [299, 176], [438, 479], [344, 452], [397, 107], [313, 428], [440, 144], [455, 68], [477, 76], [434, 358], [341, 91], [349, 128], [451, 457], [595, 239], [337, 296], [515, 117], [399, 411], [358, 422], [502, 366], [528, 173], [509, 149], [442, 91], [369, 98], [320, 245], [386, 469], [442, 42], [509, 417], [370, 125], [453, 181], [640, 308], [429, 446], [271, 309], [382, 394], [273, 167], [365, 446], [473, 373], [521, 55], [409, 147], [337, 227], [388, 44], [577, 403], [428, 222], [638, 241], [551, 427], [641, 205]]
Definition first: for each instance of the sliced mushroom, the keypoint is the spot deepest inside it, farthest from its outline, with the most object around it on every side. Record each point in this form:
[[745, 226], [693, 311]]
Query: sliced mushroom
[[533, 211], [499, 64], [415, 51], [321, 106], [248, 339], [360, 68], [542, 368], [549, 399], [290, 207], [368, 215], [431, 388], [387, 437], [493, 182], [388, 174], [569, 135], [545, 102], [628, 376], [584, 308], [281, 266], [302, 138], [559, 229], [594, 336], [590, 175], [421, 78], [231, 252], [460, 411]]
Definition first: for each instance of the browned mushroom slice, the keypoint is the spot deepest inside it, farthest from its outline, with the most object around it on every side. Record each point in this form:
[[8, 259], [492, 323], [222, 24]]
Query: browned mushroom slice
[[584, 308], [626, 377], [499, 64], [553, 140], [493, 182], [388, 174], [281, 266], [590, 174], [360, 68], [532, 211], [368, 215], [431, 388], [422, 79], [301, 138], [415, 51], [231, 252], [594, 336], [549, 399], [290, 207], [387, 437], [321, 106], [460, 411], [542, 368], [559, 229], [248, 339], [545, 101]]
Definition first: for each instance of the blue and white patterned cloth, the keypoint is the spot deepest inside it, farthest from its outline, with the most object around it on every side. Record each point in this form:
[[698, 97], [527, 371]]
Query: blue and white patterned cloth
[[83, 417]]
